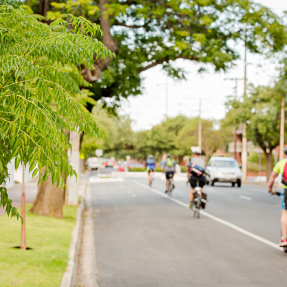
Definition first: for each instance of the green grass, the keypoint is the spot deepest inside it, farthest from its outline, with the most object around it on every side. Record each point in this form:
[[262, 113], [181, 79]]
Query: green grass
[[50, 239]]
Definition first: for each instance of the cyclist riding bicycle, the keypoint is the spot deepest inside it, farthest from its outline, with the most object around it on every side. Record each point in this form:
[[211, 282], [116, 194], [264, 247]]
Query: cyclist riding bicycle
[[150, 167], [169, 168], [281, 168], [195, 172]]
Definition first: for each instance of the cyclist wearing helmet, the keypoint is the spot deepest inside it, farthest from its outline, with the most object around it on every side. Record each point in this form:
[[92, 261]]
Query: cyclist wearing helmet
[[195, 172], [169, 168], [150, 167], [281, 168]]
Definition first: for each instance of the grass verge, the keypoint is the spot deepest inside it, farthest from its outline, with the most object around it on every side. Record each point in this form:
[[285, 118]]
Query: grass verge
[[50, 239]]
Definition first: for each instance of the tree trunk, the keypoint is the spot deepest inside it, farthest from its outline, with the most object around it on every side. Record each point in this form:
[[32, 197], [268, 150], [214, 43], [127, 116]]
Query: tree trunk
[[102, 64], [49, 200], [268, 156], [44, 7]]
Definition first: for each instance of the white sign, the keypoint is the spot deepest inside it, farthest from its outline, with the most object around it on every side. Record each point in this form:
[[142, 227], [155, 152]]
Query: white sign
[[99, 152], [128, 157]]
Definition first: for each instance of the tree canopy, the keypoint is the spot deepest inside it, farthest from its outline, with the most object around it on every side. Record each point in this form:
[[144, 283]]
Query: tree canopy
[[39, 90], [147, 33], [260, 110]]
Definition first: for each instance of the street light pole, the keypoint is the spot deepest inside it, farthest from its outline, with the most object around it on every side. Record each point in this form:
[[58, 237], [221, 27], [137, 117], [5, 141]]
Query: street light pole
[[244, 138], [235, 92], [199, 127]]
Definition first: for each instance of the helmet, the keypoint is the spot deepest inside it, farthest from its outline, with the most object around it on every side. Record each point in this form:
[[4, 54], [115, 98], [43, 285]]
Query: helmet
[[150, 156], [197, 152], [168, 155], [285, 150]]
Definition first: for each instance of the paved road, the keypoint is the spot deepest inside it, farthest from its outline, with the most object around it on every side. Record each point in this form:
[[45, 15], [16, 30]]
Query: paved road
[[145, 239]]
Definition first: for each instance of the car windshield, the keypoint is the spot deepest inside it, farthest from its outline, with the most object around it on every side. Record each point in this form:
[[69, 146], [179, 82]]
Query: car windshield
[[224, 163]]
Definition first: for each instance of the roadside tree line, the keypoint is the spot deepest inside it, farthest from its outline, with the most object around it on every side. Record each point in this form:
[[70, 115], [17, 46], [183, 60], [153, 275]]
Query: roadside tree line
[[261, 112], [173, 135]]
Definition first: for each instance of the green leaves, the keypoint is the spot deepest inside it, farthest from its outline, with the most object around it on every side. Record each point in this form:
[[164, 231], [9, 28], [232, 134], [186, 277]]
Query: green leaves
[[39, 91], [6, 203], [150, 33]]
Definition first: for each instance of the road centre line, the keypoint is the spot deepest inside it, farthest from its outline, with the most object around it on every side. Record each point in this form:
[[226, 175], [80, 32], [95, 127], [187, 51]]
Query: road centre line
[[245, 197], [217, 219]]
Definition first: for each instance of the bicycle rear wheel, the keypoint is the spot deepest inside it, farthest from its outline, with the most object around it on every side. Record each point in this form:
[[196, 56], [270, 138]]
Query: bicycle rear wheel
[[169, 187]]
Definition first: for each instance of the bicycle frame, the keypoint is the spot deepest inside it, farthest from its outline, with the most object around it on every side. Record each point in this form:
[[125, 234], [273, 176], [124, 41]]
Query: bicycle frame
[[198, 200]]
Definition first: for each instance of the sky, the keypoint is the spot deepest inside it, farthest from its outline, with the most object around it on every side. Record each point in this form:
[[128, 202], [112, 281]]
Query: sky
[[184, 97]]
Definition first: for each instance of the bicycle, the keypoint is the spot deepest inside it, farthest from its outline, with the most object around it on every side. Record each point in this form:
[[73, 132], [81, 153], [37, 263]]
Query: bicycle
[[151, 177], [169, 185], [198, 201]]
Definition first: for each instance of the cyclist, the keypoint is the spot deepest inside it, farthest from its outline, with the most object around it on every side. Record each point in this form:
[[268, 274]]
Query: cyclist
[[169, 168], [281, 168], [195, 172], [150, 167]]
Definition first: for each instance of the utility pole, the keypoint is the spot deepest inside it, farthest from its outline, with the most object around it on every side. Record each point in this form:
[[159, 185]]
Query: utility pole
[[235, 97], [244, 138], [166, 97], [282, 128], [199, 127]]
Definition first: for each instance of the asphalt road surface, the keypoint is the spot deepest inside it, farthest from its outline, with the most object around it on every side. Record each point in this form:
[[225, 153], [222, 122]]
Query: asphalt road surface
[[143, 238]]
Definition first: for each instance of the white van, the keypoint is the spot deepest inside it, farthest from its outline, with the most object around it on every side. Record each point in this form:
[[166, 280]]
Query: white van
[[94, 163], [223, 169]]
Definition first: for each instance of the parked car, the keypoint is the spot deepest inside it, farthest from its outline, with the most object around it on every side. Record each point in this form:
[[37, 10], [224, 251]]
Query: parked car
[[94, 163], [109, 163], [130, 164], [223, 169], [121, 167]]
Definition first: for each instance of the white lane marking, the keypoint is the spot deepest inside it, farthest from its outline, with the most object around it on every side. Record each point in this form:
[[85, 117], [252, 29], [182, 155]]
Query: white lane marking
[[224, 222], [97, 179], [245, 197]]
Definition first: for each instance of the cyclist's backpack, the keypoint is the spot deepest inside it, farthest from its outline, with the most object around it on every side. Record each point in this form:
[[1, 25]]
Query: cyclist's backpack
[[170, 162], [284, 175], [196, 170]]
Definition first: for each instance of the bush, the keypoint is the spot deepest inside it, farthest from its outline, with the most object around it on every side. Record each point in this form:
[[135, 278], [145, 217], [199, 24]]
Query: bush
[[251, 166], [137, 169], [183, 169]]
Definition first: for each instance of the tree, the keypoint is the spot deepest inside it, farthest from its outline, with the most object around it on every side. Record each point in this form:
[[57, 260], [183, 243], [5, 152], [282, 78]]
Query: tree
[[147, 33], [117, 138], [39, 83], [212, 139], [261, 113]]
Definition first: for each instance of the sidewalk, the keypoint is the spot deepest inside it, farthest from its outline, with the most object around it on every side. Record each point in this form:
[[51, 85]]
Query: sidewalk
[[31, 190]]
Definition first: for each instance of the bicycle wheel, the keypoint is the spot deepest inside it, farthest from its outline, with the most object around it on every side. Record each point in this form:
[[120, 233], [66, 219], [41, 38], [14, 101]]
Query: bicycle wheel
[[196, 212], [169, 187], [150, 180], [197, 204]]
